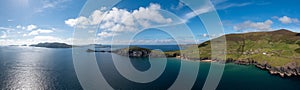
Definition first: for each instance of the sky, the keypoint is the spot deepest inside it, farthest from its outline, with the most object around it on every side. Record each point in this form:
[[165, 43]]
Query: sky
[[138, 21]]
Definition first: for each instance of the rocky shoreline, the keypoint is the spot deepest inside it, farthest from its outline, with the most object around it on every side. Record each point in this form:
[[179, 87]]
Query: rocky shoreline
[[289, 70]]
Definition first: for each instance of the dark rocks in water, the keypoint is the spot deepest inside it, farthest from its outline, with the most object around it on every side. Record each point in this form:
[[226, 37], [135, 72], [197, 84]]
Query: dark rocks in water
[[52, 45], [24, 45], [90, 50], [101, 46]]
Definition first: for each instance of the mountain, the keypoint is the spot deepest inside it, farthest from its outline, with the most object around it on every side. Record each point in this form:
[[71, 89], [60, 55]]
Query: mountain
[[52, 45], [277, 51]]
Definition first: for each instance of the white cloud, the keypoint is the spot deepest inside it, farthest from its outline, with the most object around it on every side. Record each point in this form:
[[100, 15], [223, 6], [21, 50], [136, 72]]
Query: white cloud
[[202, 10], [80, 21], [6, 28], [48, 4], [39, 31], [120, 20], [249, 25], [218, 5], [287, 20], [13, 35], [31, 27], [18, 26], [179, 6], [46, 38], [215, 2], [205, 35], [231, 5], [4, 35], [106, 34]]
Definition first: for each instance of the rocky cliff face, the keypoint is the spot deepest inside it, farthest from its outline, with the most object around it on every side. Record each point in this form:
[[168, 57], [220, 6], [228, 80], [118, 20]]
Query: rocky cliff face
[[290, 69]]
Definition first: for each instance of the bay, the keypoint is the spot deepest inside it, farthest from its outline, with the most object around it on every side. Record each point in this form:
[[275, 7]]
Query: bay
[[45, 68]]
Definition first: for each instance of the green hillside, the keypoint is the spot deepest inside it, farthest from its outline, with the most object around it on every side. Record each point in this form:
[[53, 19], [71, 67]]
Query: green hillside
[[277, 48], [275, 51]]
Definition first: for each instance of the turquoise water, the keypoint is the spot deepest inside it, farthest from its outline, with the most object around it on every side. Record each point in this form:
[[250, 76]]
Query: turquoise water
[[44, 68], [250, 77]]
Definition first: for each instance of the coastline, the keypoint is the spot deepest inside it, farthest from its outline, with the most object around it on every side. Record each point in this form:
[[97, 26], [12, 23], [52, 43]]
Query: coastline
[[289, 70]]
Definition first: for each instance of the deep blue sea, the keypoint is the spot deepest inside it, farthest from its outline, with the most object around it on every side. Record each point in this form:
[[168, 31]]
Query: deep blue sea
[[44, 68]]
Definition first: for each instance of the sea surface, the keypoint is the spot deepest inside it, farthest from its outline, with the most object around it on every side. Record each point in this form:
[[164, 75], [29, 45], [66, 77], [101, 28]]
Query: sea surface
[[36, 68]]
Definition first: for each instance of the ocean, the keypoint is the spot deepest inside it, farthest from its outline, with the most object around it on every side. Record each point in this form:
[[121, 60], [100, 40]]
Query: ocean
[[45, 68]]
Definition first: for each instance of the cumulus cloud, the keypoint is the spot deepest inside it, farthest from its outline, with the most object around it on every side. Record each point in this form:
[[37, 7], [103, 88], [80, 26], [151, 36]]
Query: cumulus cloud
[[46, 38], [4, 35], [39, 31], [28, 34], [121, 20], [249, 25], [6, 28], [288, 20], [31, 27], [105, 34], [18, 26], [80, 21]]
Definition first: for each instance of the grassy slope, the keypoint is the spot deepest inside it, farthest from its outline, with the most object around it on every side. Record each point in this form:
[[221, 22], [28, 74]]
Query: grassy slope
[[277, 47]]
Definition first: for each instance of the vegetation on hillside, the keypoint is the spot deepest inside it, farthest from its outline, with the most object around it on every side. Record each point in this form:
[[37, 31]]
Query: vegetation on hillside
[[277, 48]]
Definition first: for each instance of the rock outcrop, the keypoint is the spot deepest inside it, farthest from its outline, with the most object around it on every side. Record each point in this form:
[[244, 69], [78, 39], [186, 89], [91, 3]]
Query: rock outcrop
[[290, 69]]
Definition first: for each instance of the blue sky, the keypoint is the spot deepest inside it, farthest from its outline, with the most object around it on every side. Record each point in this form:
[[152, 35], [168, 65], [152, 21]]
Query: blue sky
[[34, 21]]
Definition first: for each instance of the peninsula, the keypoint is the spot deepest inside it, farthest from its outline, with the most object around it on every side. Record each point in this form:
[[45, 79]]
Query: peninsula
[[276, 51]]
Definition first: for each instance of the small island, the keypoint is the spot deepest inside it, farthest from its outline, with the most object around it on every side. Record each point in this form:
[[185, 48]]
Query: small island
[[52, 45]]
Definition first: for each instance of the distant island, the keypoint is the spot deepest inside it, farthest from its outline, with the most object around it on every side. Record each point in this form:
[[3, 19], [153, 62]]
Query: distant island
[[134, 51], [276, 51], [91, 50], [52, 45]]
